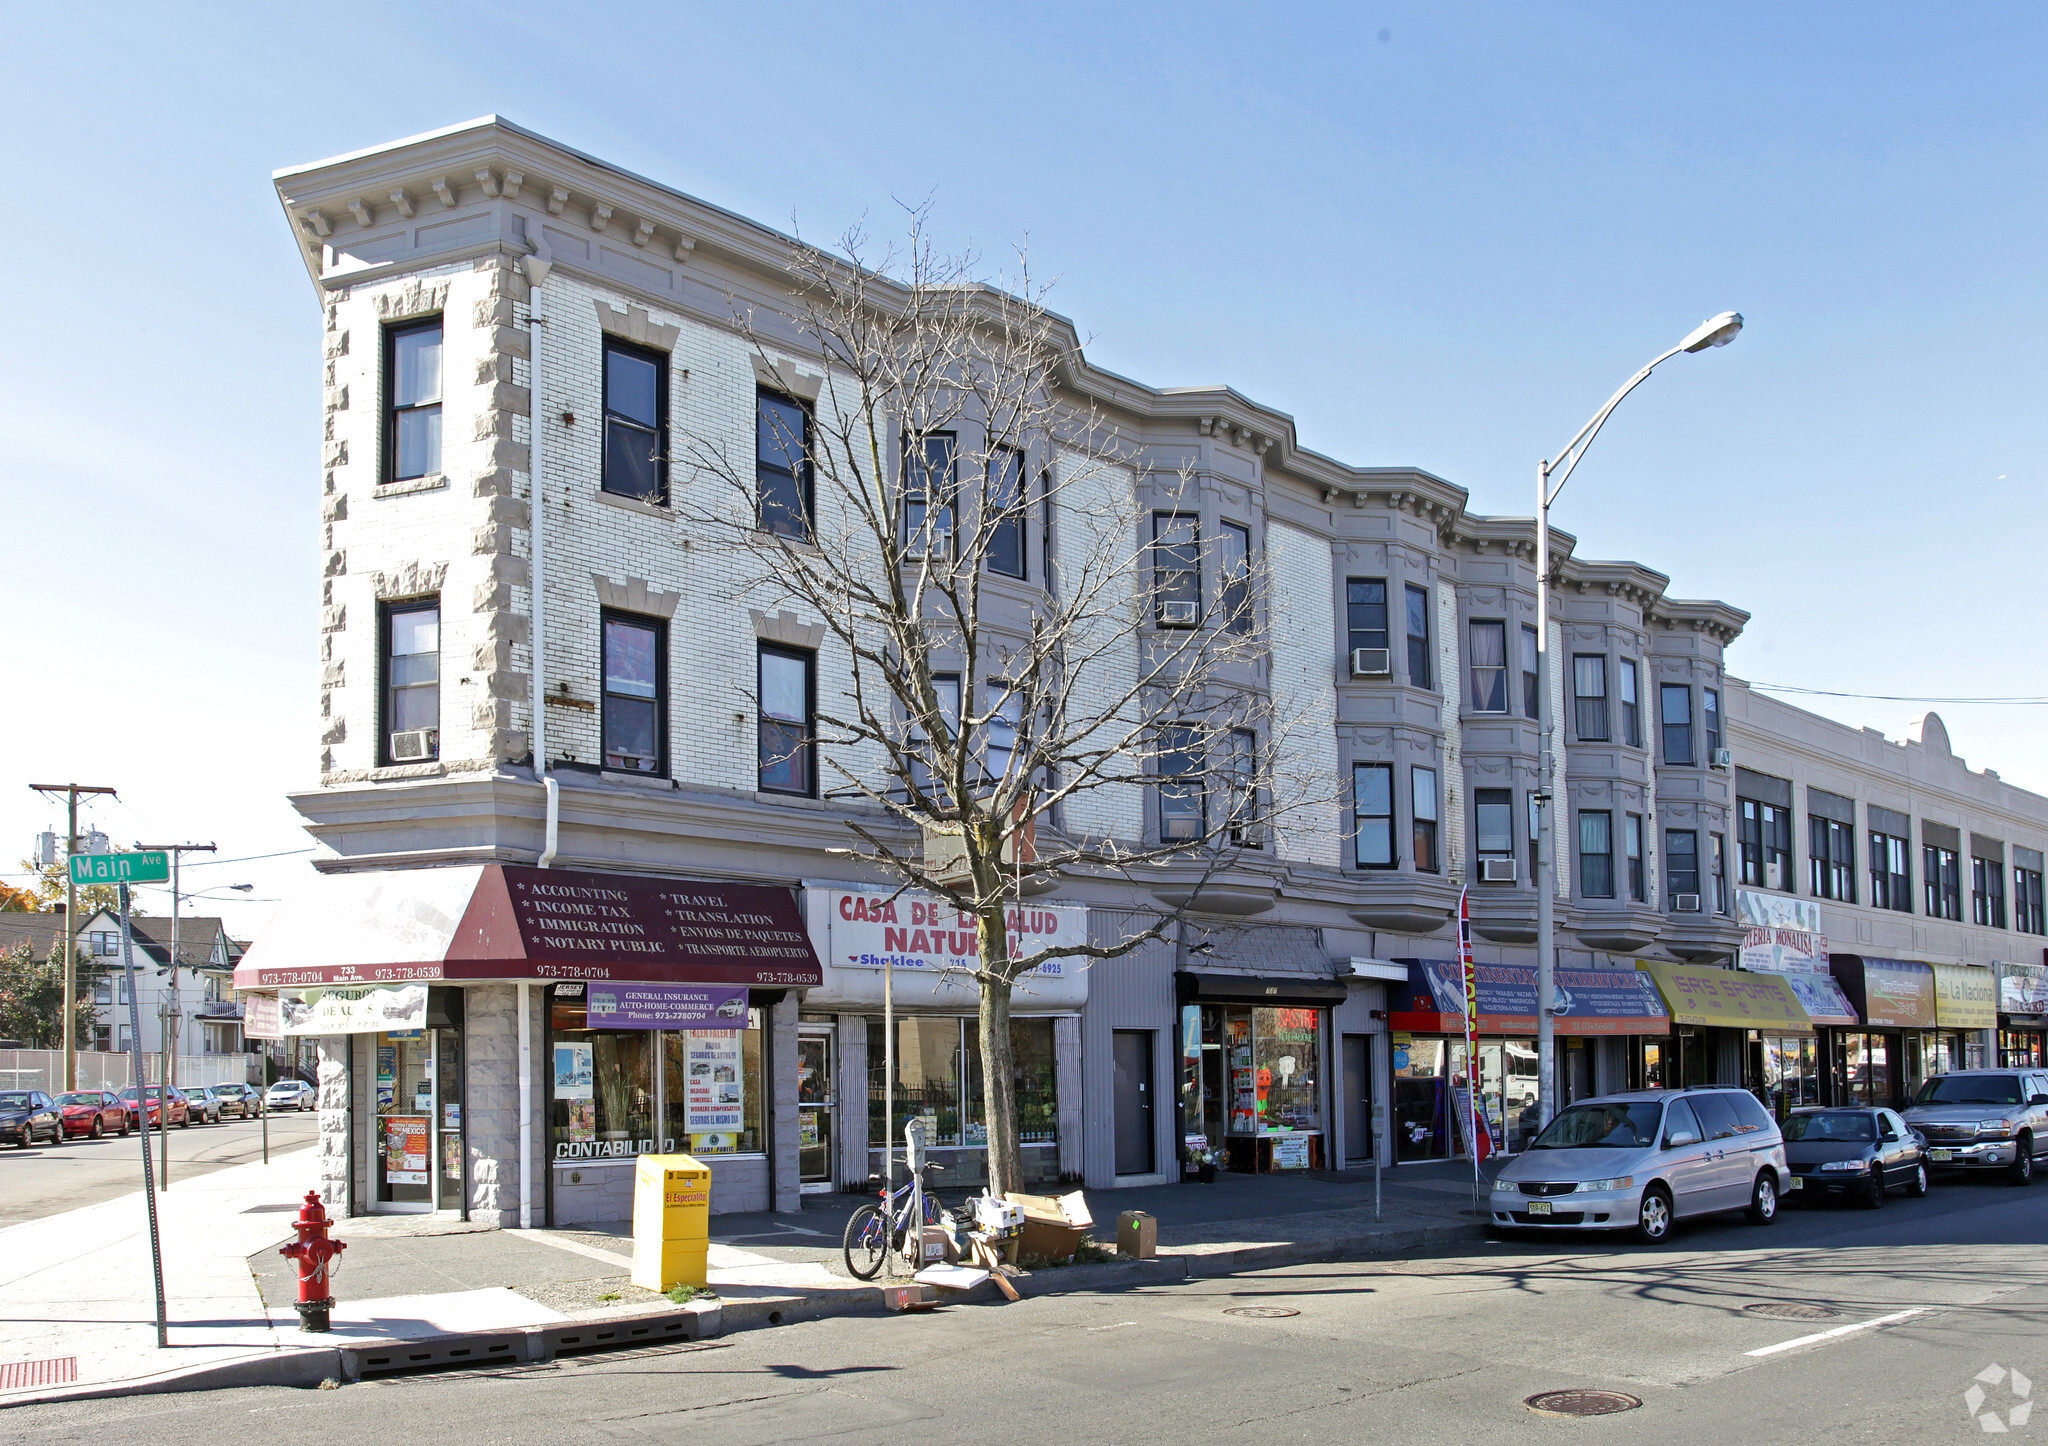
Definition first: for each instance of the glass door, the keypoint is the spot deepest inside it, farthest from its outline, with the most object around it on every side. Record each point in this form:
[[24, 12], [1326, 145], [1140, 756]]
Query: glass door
[[405, 1121], [448, 1119], [815, 1108]]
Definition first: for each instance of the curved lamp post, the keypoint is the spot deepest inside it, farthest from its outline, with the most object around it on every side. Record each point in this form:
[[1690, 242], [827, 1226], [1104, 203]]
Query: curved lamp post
[[1550, 479]]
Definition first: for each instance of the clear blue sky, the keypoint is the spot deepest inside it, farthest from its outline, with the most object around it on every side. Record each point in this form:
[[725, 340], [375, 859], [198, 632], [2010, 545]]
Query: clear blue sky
[[1436, 234]]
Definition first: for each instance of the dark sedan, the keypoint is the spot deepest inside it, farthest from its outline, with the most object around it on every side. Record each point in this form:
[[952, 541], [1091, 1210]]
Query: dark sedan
[[93, 1113], [27, 1114], [1853, 1153]]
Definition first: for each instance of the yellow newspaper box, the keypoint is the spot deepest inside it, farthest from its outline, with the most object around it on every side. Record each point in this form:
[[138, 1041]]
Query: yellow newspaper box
[[671, 1221]]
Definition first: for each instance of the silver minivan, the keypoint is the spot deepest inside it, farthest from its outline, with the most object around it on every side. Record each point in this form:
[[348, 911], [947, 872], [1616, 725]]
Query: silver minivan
[[1644, 1160]]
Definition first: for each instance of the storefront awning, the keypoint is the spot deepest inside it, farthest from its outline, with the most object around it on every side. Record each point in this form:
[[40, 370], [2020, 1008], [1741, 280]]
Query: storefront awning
[[1965, 997], [1587, 1001], [1299, 990], [509, 921], [1887, 993], [1728, 998], [1822, 998]]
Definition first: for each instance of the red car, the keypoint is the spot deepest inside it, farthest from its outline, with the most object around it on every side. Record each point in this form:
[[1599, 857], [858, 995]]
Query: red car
[[93, 1113], [181, 1113]]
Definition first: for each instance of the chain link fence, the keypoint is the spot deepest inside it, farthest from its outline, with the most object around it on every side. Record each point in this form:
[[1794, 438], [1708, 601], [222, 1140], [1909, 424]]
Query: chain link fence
[[43, 1069]]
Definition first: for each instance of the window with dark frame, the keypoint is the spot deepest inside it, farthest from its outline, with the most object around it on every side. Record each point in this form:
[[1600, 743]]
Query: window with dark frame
[[1631, 703], [1235, 565], [1632, 850], [1830, 846], [1596, 853], [1007, 507], [1048, 559], [1176, 567], [1489, 665], [1682, 864], [1589, 697], [1244, 790], [1183, 804], [1365, 612], [635, 695], [1372, 808], [1420, 674], [1987, 881], [635, 422], [2027, 913], [1718, 858], [412, 400], [1763, 811], [928, 771], [782, 464], [1941, 869], [1423, 815], [931, 463], [1532, 678], [1710, 720], [411, 671], [1674, 705], [787, 747], [1493, 822]]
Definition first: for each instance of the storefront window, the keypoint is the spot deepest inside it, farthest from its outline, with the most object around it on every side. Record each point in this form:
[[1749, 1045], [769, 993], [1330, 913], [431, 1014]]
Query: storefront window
[[712, 1092], [607, 1094], [1791, 1073], [2021, 1049], [1284, 1045], [938, 1079], [1421, 1114]]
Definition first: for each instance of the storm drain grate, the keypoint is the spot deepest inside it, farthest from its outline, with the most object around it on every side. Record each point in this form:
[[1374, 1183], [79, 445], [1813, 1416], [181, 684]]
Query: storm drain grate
[[27, 1375], [1581, 1403], [1792, 1310], [270, 1209], [1261, 1312]]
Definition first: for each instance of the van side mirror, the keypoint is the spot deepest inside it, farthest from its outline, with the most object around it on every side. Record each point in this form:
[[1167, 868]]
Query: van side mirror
[[1680, 1137]]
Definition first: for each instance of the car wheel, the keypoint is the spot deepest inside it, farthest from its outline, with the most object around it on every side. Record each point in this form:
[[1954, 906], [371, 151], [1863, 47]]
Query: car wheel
[[1653, 1216], [1873, 1197], [1763, 1199], [98, 1129], [124, 1127], [2021, 1171], [1919, 1185]]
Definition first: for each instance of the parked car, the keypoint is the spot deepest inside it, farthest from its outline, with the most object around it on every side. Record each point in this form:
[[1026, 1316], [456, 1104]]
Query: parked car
[[1984, 1119], [181, 1112], [1643, 1161], [92, 1113], [202, 1106], [1854, 1153], [25, 1114], [289, 1094], [239, 1100]]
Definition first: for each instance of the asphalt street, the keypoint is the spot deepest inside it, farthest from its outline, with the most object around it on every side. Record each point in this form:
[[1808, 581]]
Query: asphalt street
[[1426, 1351], [48, 1178]]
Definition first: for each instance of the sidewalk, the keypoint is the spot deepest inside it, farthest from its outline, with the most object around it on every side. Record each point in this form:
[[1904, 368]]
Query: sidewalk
[[77, 1308]]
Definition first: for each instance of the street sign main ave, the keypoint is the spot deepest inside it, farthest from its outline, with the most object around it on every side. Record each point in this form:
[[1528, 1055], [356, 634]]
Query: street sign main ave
[[143, 866]]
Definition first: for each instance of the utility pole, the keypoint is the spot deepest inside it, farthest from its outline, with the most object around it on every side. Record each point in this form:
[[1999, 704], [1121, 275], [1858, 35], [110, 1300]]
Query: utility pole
[[71, 792], [169, 1012]]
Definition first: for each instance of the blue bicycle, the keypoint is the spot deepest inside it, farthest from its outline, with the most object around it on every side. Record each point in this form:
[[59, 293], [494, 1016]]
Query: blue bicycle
[[876, 1230]]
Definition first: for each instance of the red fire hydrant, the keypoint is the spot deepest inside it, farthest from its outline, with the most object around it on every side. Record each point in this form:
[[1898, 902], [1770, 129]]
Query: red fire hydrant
[[313, 1251]]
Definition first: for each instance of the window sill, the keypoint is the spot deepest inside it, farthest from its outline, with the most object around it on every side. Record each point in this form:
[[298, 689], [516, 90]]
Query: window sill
[[432, 482], [768, 537], [634, 504], [794, 800], [654, 782]]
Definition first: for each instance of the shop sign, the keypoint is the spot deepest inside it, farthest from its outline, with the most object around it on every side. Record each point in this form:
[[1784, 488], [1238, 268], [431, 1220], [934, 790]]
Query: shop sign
[[1899, 993], [1965, 997], [261, 1017], [1290, 1152], [910, 931], [1586, 1001], [371, 1009], [1780, 935], [1727, 998], [2023, 988], [1821, 997], [665, 1006]]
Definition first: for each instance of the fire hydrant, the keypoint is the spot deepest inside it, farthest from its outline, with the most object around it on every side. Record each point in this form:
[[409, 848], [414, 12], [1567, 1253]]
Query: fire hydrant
[[313, 1251]]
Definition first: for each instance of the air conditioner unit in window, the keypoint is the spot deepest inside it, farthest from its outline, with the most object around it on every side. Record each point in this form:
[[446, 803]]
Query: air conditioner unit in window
[[1251, 836], [1176, 615], [1371, 662], [1499, 871], [414, 746], [1180, 827], [1723, 758], [1685, 903]]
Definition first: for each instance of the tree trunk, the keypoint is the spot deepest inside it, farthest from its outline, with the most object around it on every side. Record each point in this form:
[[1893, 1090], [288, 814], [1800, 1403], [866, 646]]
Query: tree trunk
[[998, 1060]]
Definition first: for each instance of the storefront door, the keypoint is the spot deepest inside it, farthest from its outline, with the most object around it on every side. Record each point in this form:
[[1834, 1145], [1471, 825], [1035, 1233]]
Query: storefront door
[[816, 1099], [405, 1120], [1358, 1141], [1134, 1134]]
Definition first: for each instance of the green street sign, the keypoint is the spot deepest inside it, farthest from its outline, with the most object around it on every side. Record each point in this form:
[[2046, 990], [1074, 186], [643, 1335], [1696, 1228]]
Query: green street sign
[[147, 866]]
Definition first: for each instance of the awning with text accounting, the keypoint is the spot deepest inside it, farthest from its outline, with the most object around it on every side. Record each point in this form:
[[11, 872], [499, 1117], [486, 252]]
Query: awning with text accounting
[[511, 921], [1728, 998]]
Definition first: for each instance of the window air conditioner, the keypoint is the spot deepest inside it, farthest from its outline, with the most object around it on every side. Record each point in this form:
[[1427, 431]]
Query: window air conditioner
[[1180, 827], [1176, 614], [1685, 903], [414, 746], [1723, 758], [1371, 662], [1499, 871], [1251, 836]]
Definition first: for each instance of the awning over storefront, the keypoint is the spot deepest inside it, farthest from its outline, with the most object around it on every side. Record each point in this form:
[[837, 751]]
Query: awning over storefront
[[1298, 990], [1965, 997], [1728, 998], [1822, 998], [509, 921], [1887, 993], [1588, 1001]]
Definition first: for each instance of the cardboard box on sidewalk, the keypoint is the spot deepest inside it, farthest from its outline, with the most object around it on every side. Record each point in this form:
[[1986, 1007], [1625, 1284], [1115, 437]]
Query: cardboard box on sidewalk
[[1054, 1225], [1137, 1235]]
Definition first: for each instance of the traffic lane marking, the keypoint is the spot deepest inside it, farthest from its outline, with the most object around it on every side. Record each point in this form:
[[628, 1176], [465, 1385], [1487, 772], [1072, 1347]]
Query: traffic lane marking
[[1861, 1325]]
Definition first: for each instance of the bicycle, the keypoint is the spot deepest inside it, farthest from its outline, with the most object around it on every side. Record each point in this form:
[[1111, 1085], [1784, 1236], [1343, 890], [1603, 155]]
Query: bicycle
[[876, 1230]]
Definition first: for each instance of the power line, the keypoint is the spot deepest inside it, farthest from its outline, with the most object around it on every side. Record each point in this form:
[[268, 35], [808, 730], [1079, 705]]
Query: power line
[[251, 858], [1896, 697]]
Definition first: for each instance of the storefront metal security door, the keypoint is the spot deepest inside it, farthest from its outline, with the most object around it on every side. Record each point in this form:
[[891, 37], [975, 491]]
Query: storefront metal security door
[[1135, 1154], [816, 1097], [1357, 1098]]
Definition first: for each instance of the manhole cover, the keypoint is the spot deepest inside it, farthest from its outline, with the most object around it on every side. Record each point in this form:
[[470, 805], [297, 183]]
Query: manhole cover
[[1581, 1403], [1792, 1310], [1261, 1312]]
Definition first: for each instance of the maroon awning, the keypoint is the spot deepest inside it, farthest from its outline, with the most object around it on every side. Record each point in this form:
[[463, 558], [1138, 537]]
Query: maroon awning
[[509, 921]]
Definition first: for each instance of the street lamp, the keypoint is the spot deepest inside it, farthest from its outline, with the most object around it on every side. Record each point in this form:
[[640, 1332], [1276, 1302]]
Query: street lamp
[[1713, 332]]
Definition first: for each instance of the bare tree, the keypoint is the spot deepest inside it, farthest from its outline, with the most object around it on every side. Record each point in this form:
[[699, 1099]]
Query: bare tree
[[1113, 718]]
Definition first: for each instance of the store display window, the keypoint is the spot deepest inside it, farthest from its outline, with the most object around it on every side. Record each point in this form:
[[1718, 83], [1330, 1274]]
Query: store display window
[[939, 1080], [610, 1087]]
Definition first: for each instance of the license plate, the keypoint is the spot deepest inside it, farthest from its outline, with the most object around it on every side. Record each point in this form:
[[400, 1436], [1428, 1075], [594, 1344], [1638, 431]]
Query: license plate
[[1539, 1207], [1795, 1183], [1940, 1155]]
